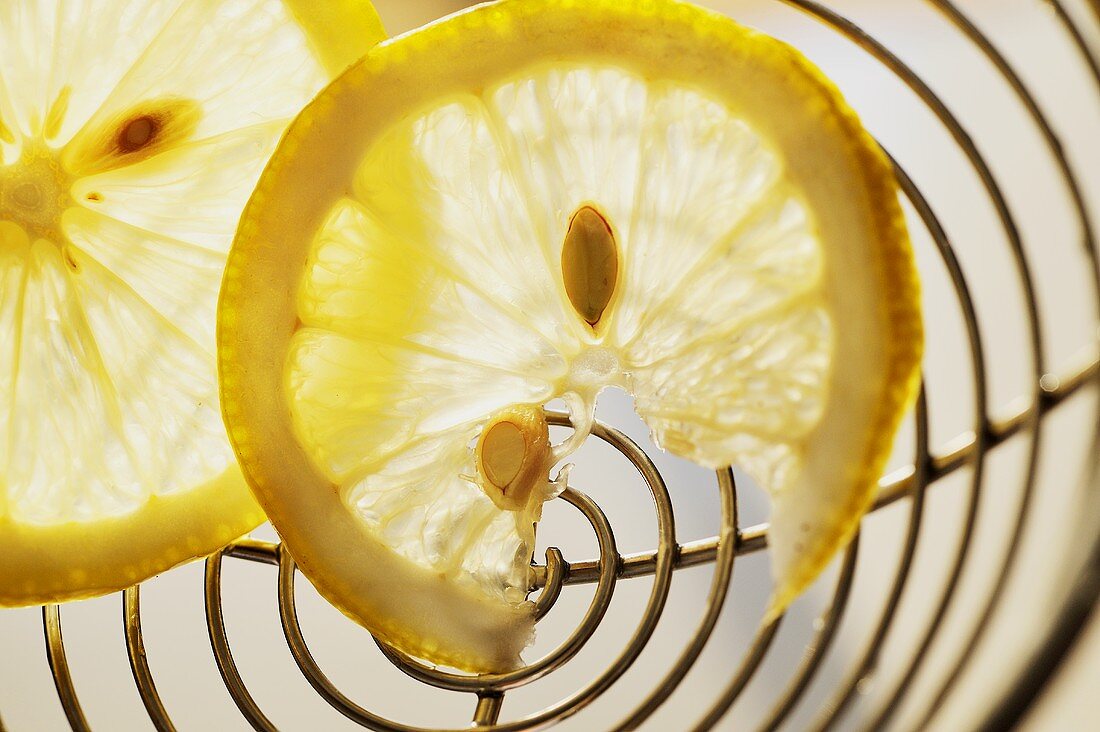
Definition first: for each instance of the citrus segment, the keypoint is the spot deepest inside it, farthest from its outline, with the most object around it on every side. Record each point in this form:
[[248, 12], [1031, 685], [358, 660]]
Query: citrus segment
[[131, 135], [539, 199]]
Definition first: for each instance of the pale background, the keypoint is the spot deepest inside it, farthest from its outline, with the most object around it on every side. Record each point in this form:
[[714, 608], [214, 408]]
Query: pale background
[[173, 616]]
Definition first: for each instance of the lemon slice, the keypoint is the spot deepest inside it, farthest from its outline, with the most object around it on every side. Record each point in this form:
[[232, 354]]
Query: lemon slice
[[131, 135], [540, 199]]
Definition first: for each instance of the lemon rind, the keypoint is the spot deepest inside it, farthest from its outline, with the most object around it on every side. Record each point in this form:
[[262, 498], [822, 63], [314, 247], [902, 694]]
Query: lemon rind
[[70, 561]]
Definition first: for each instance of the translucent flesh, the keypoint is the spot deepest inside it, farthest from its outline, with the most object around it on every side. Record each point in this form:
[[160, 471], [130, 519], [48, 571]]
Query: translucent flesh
[[434, 298], [149, 121]]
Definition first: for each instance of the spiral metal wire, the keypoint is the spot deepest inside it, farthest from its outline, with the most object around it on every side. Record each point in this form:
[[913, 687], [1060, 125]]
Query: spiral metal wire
[[909, 484]]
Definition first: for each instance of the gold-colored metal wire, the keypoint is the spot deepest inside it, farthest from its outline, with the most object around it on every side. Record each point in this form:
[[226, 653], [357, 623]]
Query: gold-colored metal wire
[[910, 485]]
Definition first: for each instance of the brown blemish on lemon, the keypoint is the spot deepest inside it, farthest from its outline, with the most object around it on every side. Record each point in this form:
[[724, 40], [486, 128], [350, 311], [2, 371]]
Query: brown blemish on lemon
[[70, 260]]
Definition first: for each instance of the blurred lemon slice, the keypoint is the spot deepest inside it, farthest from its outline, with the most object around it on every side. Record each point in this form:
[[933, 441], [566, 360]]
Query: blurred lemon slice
[[131, 134], [539, 199]]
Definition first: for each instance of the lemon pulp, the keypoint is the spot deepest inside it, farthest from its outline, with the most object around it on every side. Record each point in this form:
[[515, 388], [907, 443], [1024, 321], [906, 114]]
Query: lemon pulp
[[131, 135], [540, 199]]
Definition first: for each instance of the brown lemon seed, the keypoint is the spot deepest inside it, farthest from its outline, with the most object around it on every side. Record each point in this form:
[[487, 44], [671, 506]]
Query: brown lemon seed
[[137, 133], [589, 264], [503, 451], [512, 456]]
